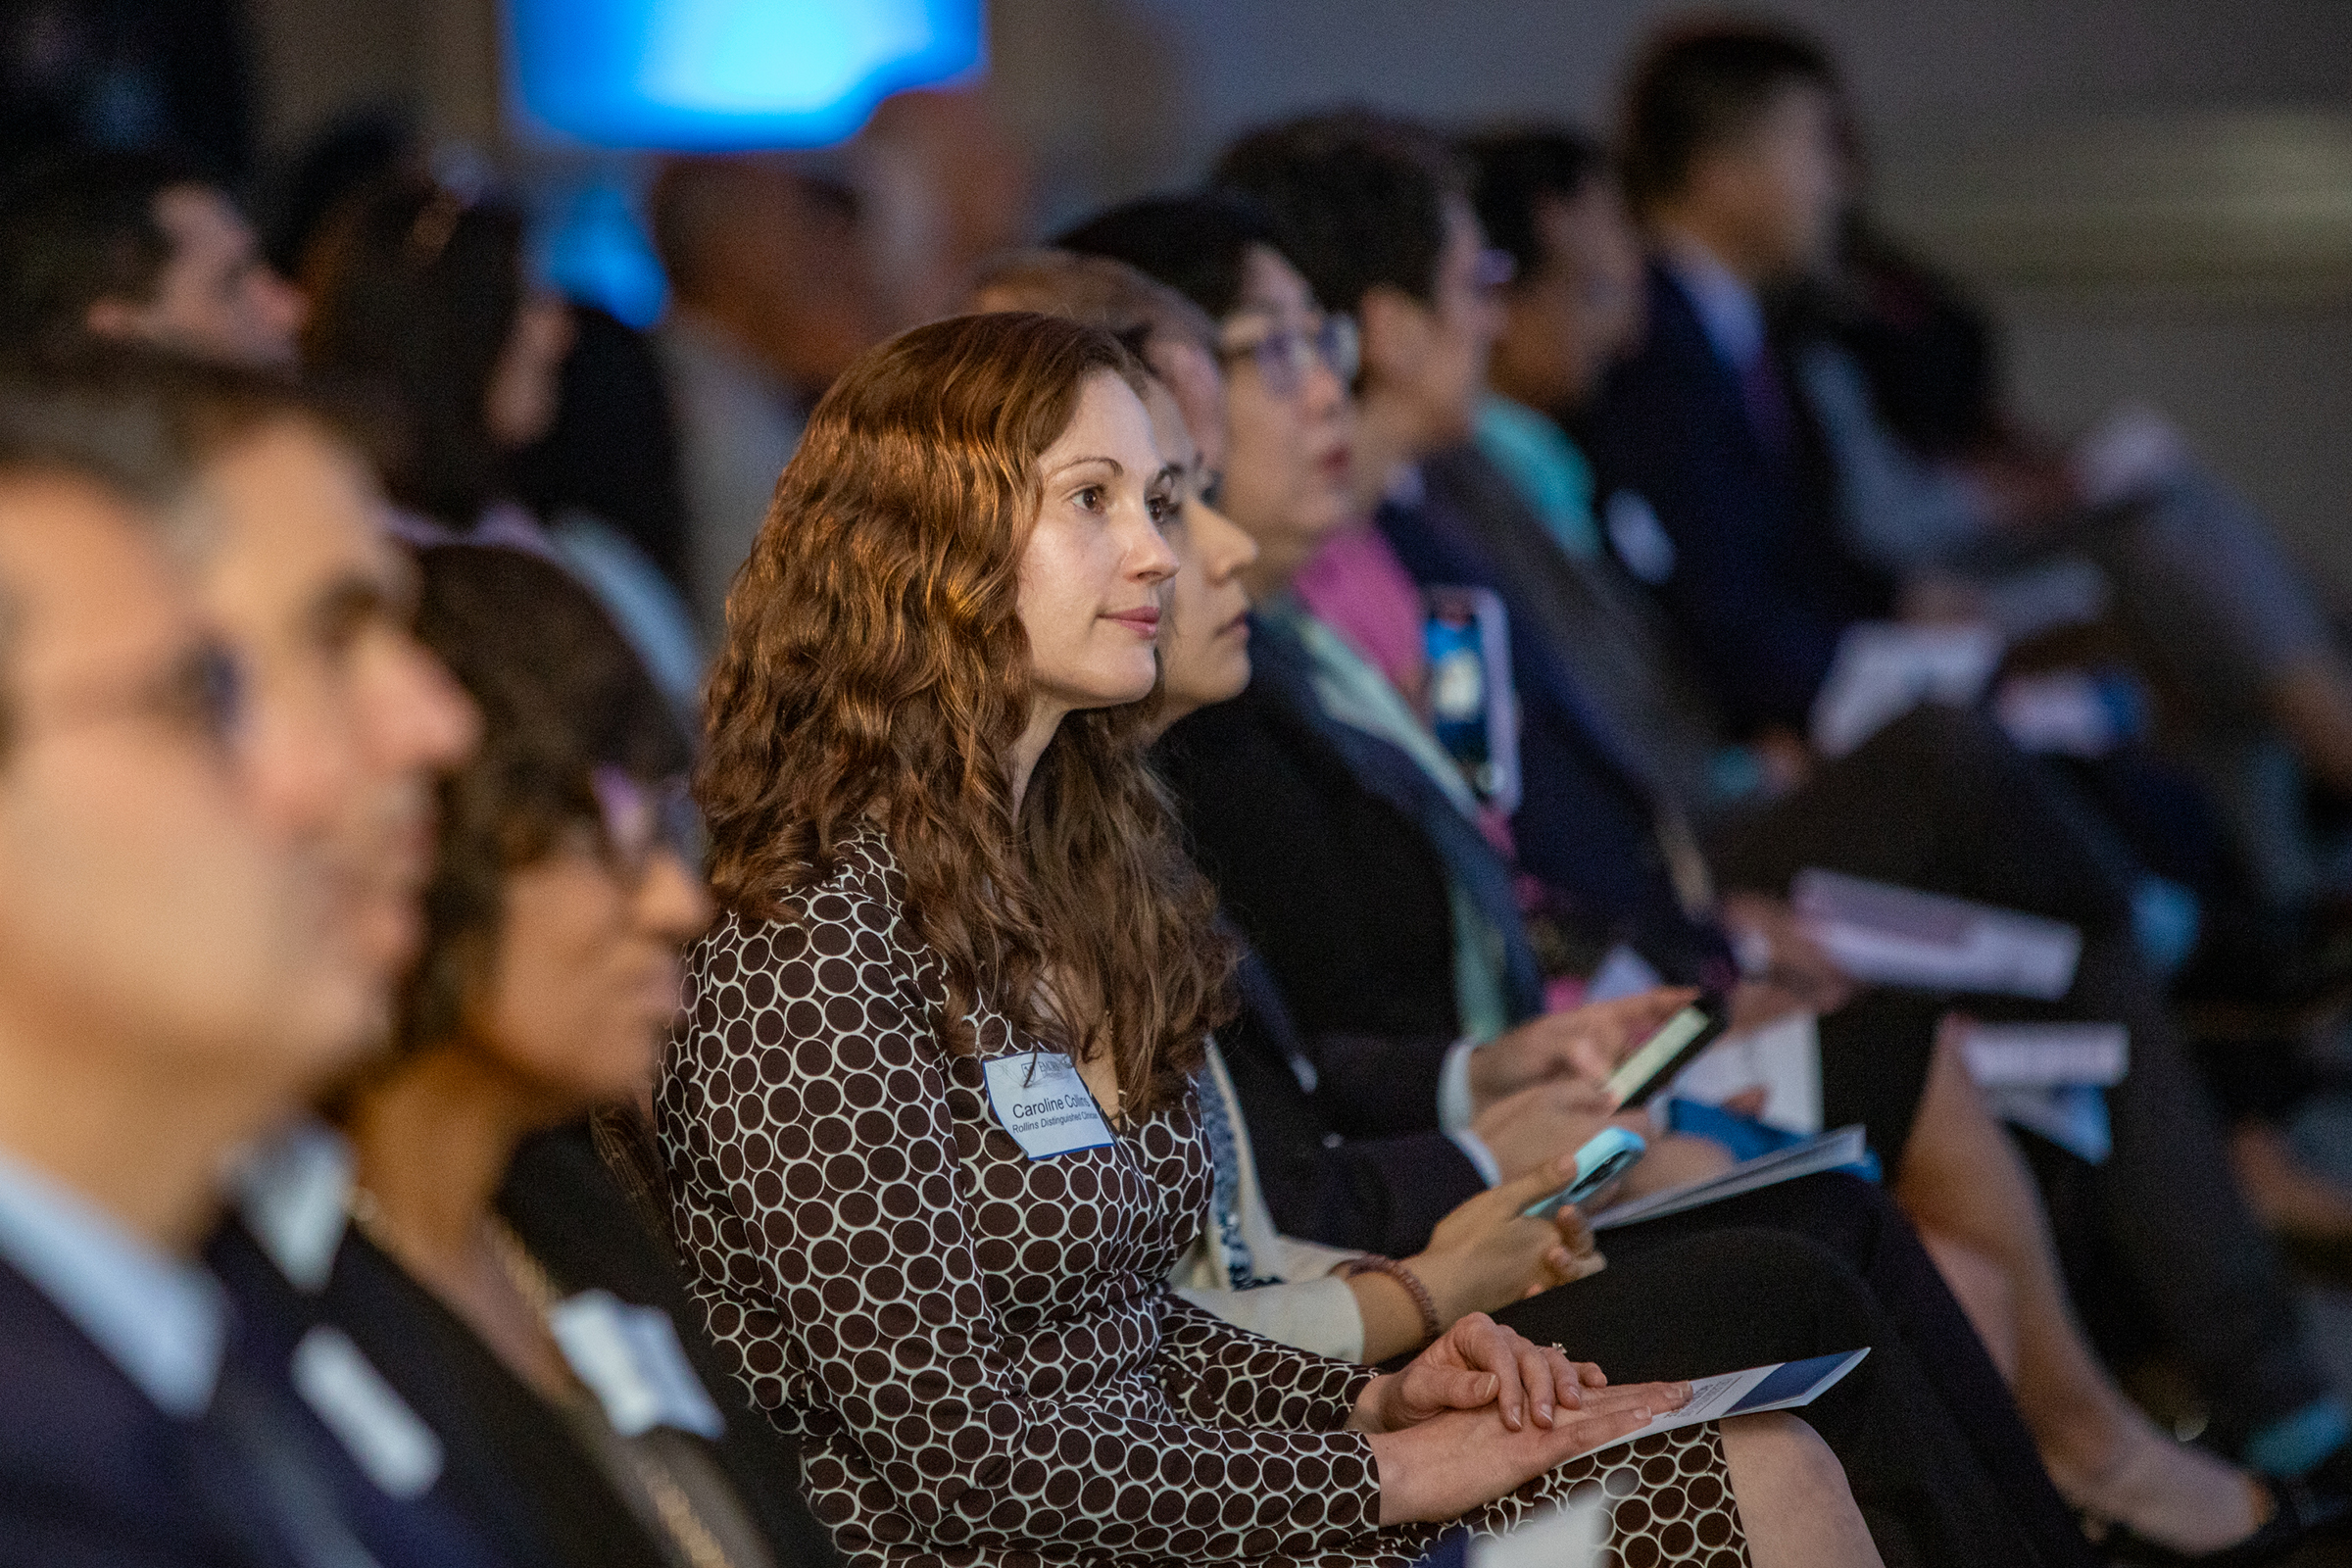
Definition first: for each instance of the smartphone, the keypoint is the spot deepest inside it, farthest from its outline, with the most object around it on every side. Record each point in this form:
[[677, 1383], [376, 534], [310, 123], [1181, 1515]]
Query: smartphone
[[1655, 1062], [1603, 1159]]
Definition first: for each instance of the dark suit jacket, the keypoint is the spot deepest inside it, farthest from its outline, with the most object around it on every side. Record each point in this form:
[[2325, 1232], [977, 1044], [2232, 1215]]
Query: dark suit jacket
[[92, 1475], [1325, 865], [1322, 860], [1760, 584], [579, 1221], [1374, 1194], [1588, 820]]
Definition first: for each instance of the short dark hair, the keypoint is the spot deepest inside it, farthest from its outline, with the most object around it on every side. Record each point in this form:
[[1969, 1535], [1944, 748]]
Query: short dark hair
[[1359, 198], [1513, 172], [561, 694], [414, 290], [1700, 87], [77, 226], [1196, 244], [139, 424]]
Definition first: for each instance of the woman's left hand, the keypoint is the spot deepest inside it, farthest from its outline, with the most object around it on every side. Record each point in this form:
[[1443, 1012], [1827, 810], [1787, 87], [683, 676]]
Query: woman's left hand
[[1473, 1364]]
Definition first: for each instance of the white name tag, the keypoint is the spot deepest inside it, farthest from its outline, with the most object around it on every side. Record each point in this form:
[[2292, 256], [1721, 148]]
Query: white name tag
[[1044, 1104], [391, 1441], [630, 1359]]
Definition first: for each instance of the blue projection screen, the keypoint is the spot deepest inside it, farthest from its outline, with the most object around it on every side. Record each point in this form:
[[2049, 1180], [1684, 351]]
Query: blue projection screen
[[691, 75]]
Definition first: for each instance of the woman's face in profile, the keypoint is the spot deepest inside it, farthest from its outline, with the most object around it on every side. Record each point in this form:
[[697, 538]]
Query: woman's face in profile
[[586, 981], [1289, 448], [1204, 641], [1095, 572]]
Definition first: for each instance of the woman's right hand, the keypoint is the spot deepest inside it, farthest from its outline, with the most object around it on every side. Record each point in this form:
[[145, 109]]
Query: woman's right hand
[[1484, 1254], [1526, 1131], [1443, 1467]]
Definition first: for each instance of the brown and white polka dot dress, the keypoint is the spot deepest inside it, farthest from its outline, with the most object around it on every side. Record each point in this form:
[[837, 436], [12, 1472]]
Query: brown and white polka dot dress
[[977, 1350]]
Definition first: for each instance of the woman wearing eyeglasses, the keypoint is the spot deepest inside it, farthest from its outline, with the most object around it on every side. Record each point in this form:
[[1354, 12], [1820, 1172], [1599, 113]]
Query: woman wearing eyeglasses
[[1288, 367], [496, 1269]]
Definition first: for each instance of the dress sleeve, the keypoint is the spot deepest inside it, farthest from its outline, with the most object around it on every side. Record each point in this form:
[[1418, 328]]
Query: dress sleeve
[[814, 1160], [1230, 1376]]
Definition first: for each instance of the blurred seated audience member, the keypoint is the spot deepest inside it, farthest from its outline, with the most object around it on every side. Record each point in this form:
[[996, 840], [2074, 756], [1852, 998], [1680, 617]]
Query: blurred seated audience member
[[770, 297], [942, 187], [1731, 161], [136, 247], [612, 451], [496, 1263], [1381, 222], [185, 956], [1940, 483], [1733, 157], [1664, 1309], [423, 311]]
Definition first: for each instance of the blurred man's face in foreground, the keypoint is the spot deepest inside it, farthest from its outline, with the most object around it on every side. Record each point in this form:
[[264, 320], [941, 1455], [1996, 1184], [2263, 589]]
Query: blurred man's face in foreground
[[156, 942], [352, 720]]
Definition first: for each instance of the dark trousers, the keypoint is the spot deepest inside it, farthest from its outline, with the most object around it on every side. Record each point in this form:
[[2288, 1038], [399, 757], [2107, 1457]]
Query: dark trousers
[[1941, 800], [1939, 1462]]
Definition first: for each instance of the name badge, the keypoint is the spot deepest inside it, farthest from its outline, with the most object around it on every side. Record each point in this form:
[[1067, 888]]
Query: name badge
[[390, 1441], [1044, 1104], [630, 1359]]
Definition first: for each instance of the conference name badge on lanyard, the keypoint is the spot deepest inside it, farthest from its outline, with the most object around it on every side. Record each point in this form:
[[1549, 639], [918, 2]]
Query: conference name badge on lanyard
[[1044, 1104], [632, 1360]]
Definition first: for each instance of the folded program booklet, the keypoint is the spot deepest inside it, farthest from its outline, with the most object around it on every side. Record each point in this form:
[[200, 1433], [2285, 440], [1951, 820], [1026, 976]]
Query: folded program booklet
[[1831, 1150], [1888, 935], [1783, 1385]]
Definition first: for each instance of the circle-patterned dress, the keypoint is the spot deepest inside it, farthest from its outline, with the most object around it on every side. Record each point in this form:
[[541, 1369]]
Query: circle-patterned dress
[[977, 1350]]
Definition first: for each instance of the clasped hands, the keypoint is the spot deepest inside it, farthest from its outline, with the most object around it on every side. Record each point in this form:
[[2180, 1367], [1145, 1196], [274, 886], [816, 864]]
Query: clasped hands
[[1482, 1410]]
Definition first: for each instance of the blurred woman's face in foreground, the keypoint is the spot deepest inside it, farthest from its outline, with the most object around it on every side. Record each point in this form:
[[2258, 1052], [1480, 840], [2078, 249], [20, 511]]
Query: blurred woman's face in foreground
[[586, 982]]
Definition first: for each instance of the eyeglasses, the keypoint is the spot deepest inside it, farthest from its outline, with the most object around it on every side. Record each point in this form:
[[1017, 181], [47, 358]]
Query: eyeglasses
[[1495, 269], [1287, 356], [641, 819], [200, 693]]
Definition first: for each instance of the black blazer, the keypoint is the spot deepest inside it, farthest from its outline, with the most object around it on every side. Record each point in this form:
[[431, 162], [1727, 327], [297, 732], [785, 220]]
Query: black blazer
[[1760, 583], [1374, 1194], [1335, 887], [511, 1461], [1343, 902]]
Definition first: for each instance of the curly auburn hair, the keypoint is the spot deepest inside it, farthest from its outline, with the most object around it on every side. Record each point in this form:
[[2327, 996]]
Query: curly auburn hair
[[875, 670]]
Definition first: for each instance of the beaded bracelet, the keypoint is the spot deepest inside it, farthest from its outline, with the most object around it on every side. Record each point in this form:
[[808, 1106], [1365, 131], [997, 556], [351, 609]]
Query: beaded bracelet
[[1423, 1301]]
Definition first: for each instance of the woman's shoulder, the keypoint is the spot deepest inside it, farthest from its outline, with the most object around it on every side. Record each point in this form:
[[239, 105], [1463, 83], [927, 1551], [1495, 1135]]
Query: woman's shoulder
[[858, 907]]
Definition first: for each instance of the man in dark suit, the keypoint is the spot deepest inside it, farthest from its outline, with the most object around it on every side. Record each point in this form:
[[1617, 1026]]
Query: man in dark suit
[[176, 974], [1733, 163]]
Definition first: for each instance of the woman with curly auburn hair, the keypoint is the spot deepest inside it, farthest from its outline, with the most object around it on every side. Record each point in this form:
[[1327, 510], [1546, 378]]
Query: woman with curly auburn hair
[[931, 1146]]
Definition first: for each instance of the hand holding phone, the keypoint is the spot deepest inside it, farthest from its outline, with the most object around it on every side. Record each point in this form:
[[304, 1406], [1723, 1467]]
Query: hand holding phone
[[1605, 1156], [1652, 1064]]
